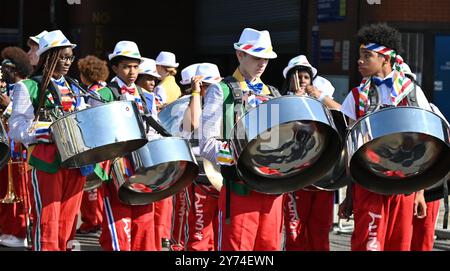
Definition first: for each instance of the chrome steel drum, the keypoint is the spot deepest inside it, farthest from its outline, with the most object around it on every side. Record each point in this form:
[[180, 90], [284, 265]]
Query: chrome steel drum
[[337, 176], [285, 144], [5, 152], [171, 116], [98, 133], [162, 168], [92, 182], [399, 150]]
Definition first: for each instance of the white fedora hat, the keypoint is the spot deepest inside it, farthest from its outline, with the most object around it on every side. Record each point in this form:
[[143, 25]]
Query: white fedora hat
[[210, 73], [256, 43], [407, 70], [127, 49], [166, 59], [38, 36], [300, 60], [148, 66], [187, 74], [53, 39]]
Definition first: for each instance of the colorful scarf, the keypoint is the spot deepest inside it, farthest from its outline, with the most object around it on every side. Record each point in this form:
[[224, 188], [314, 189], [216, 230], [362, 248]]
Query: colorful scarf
[[401, 85]]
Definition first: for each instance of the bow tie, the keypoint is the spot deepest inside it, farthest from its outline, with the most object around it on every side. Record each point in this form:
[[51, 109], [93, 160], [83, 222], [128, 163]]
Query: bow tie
[[125, 89], [388, 81], [257, 87]]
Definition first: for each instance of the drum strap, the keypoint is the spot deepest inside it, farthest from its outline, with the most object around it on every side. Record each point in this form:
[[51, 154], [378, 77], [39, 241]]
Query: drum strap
[[374, 99]]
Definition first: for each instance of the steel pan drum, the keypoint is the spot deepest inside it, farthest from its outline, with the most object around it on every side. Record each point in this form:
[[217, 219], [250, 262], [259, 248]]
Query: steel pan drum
[[285, 144], [171, 116], [98, 133], [5, 152], [399, 150], [336, 177], [162, 168]]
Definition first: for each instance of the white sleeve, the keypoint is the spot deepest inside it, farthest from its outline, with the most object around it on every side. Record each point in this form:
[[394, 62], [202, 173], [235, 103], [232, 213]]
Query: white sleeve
[[421, 99], [348, 106], [22, 116], [210, 130]]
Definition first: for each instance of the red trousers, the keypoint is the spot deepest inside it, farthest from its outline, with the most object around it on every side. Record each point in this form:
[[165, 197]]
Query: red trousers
[[55, 201], [181, 206], [12, 215], [256, 222], [423, 229], [126, 227], [382, 222], [203, 218], [92, 209], [163, 221], [308, 217]]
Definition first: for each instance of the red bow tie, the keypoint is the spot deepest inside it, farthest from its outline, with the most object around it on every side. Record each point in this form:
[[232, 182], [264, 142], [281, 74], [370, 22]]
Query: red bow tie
[[125, 89]]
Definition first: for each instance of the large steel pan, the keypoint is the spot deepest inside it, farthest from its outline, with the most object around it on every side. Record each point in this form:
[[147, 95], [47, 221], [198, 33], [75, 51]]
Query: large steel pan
[[399, 150], [98, 133], [162, 168], [5, 152], [337, 176], [285, 144], [172, 119]]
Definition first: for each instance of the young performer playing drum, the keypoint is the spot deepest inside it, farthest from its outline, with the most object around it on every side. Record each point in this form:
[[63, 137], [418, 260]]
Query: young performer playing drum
[[203, 196], [382, 222], [125, 227], [56, 192], [308, 213], [254, 220]]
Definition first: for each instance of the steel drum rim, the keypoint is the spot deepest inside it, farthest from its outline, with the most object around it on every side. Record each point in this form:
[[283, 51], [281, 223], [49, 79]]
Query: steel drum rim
[[250, 111]]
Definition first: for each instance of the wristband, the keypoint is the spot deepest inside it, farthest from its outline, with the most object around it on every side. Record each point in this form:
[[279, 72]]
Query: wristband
[[195, 93], [321, 97]]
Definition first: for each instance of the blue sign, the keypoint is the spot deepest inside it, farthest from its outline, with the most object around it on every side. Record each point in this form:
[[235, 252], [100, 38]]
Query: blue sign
[[331, 10], [441, 94]]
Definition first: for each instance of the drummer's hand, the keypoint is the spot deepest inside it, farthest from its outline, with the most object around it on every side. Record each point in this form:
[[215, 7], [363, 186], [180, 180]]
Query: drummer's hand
[[420, 205], [313, 91], [41, 130], [345, 210], [225, 156], [196, 83], [4, 100]]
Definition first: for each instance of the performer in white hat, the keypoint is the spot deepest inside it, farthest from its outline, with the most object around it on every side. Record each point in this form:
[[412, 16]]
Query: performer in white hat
[[56, 191], [203, 231], [254, 220], [147, 80], [167, 66], [125, 227], [186, 76], [302, 79], [308, 213]]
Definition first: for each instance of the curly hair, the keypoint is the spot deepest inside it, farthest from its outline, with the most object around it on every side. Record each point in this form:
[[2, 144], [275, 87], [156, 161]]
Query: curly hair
[[93, 68], [382, 34], [19, 58]]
